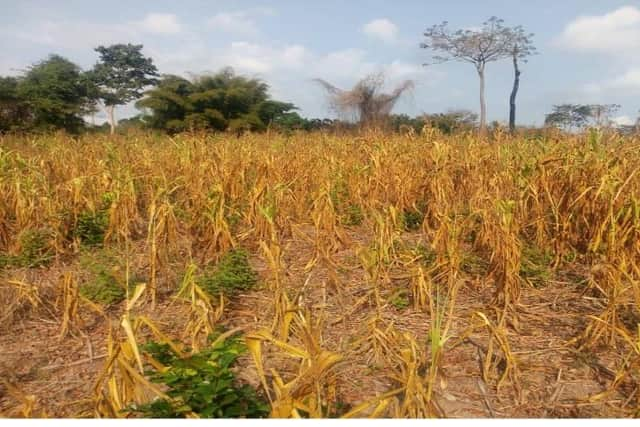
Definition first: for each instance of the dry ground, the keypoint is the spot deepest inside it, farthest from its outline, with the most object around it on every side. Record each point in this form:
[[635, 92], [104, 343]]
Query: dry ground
[[554, 379]]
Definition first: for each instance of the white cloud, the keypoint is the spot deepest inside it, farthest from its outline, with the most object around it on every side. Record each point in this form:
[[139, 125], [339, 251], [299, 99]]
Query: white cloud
[[341, 63], [400, 69], [160, 23], [83, 35], [233, 22], [382, 29], [627, 83], [239, 22], [249, 57], [257, 58], [79, 36], [623, 121], [294, 56], [616, 32]]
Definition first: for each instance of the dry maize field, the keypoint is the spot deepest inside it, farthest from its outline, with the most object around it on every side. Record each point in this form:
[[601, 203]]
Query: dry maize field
[[318, 275]]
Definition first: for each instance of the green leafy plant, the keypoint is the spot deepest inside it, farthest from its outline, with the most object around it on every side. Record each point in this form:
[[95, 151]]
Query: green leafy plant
[[349, 213], [202, 383], [426, 254], [352, 215], [412, 219], [535, 265], [91, 227], [34, 250], [104, 289], [106, 278], [400, 299], [232, 274]]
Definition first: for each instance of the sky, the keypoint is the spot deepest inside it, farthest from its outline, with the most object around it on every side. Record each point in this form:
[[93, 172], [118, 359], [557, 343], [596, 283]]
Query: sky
[[588, 49]]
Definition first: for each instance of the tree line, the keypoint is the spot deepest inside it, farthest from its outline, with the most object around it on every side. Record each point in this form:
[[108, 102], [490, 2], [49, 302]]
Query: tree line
[[57, 94]]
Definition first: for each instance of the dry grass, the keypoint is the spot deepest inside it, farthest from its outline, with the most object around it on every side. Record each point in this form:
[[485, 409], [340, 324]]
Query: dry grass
[[356, 314]]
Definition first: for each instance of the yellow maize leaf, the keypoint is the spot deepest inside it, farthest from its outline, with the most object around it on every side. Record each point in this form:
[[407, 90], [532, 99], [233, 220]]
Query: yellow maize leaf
[[131, 339], [364, 405], [254, 345], [137, 293], [288, 348]]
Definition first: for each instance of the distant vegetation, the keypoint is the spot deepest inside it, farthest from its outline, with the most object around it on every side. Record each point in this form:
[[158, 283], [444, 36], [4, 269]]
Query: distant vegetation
[[223, 101], [56, 94]]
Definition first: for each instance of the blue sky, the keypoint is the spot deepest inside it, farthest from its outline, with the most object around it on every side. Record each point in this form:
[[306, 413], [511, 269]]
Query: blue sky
[[588, 48]]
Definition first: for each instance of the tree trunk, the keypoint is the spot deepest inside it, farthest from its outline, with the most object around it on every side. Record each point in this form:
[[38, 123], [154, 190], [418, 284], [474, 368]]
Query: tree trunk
[[483, 105], [514, 93], [112, 118]]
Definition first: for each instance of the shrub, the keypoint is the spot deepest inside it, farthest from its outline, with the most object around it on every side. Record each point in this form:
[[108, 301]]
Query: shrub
[[202, 383]]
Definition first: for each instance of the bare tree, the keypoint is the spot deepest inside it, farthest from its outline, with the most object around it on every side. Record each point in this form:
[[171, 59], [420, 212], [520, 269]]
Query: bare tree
[[364, 101], [520, 47], [477, 46]]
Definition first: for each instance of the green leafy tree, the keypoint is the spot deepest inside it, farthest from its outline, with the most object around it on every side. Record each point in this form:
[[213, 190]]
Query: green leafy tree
[[14, 112], [121, 76], [57, 93], [291, 121], [222, 101], [272, 112]]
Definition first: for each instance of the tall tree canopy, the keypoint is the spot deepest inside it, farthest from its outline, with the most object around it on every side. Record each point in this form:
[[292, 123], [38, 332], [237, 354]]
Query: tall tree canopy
[[490, 43], [121, 75], [57, 94], [222, 101], [14, 112]]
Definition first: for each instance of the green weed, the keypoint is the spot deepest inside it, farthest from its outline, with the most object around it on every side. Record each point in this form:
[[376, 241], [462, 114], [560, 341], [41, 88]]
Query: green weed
[[535, 265], [352, 215], [412, 219], [91, 227], [104, 289], [232, 274], [34, 250], [202, 383]]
